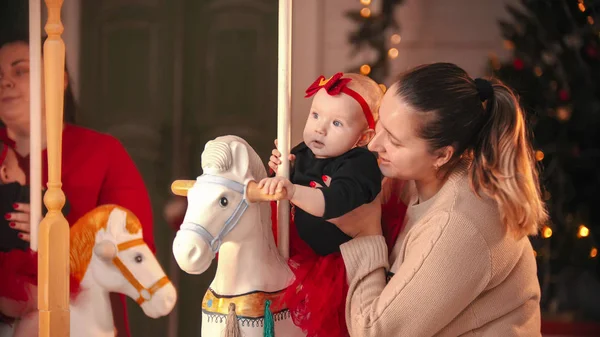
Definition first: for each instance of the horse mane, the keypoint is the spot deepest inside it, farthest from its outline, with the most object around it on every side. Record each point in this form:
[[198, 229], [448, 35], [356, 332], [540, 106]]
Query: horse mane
[[83, 236], [217, 154]]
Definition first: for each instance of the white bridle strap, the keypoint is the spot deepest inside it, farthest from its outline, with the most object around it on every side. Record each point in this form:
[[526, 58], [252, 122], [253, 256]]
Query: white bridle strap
[[230, 223], [145, 293]]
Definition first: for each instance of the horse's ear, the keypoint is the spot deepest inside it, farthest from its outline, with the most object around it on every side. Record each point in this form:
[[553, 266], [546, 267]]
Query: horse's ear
[[241, 160], [106, 250], [117, 220], [181, 187]]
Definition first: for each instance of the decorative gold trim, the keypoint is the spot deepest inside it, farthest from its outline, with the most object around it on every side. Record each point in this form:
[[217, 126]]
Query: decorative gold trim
[[251, 305]]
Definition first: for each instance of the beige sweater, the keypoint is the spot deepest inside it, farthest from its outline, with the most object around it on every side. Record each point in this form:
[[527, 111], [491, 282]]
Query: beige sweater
[[456, 272]]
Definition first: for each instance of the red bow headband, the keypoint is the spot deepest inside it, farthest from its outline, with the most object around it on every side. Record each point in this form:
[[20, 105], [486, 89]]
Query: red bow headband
[[336, 85], [3, 153]]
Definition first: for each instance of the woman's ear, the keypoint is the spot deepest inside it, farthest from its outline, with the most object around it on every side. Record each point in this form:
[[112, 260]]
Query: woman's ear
[[444, 155], [3, 174], [366, 137]]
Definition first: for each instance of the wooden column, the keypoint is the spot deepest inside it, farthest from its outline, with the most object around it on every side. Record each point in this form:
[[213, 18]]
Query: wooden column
[[53, 256]]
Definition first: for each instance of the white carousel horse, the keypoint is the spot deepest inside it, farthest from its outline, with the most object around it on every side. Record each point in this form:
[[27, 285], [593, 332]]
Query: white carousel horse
[[224, 216], [108, 254]]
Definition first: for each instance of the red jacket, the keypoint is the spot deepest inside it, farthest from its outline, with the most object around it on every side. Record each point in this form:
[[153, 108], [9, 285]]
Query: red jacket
[[96, 170]]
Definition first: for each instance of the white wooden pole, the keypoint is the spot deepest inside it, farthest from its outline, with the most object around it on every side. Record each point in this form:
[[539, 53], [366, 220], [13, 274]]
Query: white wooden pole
[[284, 99], [35, 116]]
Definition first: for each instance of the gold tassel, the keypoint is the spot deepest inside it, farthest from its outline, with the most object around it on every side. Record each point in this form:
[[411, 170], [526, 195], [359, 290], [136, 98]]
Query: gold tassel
[[232, 327]]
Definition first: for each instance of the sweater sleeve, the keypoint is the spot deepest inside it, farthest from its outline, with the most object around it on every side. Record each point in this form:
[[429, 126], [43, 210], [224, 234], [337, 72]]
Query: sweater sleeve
[[356, 182], [446, 266], [123, 185]]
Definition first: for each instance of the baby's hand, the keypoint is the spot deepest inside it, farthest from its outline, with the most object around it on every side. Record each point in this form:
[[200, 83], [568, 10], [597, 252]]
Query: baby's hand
[[277, 184], [275, 160]]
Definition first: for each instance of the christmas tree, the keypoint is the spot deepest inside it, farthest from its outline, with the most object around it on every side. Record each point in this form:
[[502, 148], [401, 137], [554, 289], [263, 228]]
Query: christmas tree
[[555, 68], [377, 31]]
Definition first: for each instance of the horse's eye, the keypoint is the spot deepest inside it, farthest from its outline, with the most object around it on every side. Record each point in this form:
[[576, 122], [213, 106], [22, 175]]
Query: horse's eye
[[139, 258], [223, 202]]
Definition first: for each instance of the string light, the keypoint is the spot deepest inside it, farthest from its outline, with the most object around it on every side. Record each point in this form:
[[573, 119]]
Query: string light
[[581, 7], [590, 20], [538, 71], [365, 69], [395, 38], [539, 155], [563, 113], [546, 232], [534, 253], [508, 44], [383, 87], [494, 61], [594, 252], [583, 232]]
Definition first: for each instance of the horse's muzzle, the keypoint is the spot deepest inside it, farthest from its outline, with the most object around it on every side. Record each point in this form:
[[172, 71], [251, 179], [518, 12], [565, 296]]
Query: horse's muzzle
[[191, 252]]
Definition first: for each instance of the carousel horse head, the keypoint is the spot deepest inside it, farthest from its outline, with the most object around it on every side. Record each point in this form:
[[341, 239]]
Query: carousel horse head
[[223, 204], [107, 250]]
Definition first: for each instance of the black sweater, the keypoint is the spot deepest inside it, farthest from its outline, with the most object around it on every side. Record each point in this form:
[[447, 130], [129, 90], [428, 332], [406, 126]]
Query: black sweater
[[355, 180]]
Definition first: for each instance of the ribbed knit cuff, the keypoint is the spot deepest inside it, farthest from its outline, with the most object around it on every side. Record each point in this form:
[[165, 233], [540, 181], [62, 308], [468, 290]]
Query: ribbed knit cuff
[[364, 255]]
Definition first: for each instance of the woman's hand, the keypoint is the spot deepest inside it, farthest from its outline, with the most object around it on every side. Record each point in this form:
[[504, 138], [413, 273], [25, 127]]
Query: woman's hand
[[19, 220], [362, 221]]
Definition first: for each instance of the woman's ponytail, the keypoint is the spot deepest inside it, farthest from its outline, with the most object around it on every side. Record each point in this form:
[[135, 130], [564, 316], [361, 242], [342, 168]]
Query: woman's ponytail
[[504, 166]]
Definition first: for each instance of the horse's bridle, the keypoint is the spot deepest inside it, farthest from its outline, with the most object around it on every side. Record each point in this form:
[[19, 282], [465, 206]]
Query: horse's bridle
[[215, 242], [145, 293]]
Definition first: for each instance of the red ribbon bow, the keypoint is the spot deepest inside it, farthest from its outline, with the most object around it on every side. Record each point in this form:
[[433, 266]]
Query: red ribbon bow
[[336, 85], [333, 85]]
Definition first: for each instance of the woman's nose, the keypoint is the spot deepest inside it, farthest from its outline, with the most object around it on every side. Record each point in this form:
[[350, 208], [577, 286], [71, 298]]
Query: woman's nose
[[375, 145], [6, 83]]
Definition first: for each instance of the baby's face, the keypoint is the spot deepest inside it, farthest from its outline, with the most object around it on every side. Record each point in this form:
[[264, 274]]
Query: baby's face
[[334, 126], [10, 171]]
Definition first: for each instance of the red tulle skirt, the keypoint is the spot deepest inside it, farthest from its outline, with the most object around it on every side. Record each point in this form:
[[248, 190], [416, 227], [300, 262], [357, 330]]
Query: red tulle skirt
[[317, 297], [19, 270]]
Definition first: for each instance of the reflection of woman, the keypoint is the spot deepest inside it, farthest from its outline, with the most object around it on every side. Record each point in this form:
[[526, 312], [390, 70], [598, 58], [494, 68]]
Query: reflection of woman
[[96, 169], [463, 264]]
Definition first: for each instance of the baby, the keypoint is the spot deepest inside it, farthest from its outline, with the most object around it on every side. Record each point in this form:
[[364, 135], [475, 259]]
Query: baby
[[18, 291], [12, 190], [332, 174]]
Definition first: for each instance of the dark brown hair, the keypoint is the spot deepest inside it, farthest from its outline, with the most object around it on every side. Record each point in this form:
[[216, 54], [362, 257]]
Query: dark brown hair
[[493, 134]]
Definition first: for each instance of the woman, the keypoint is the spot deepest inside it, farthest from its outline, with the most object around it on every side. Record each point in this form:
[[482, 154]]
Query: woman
[[463, 264], [96, 169]]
